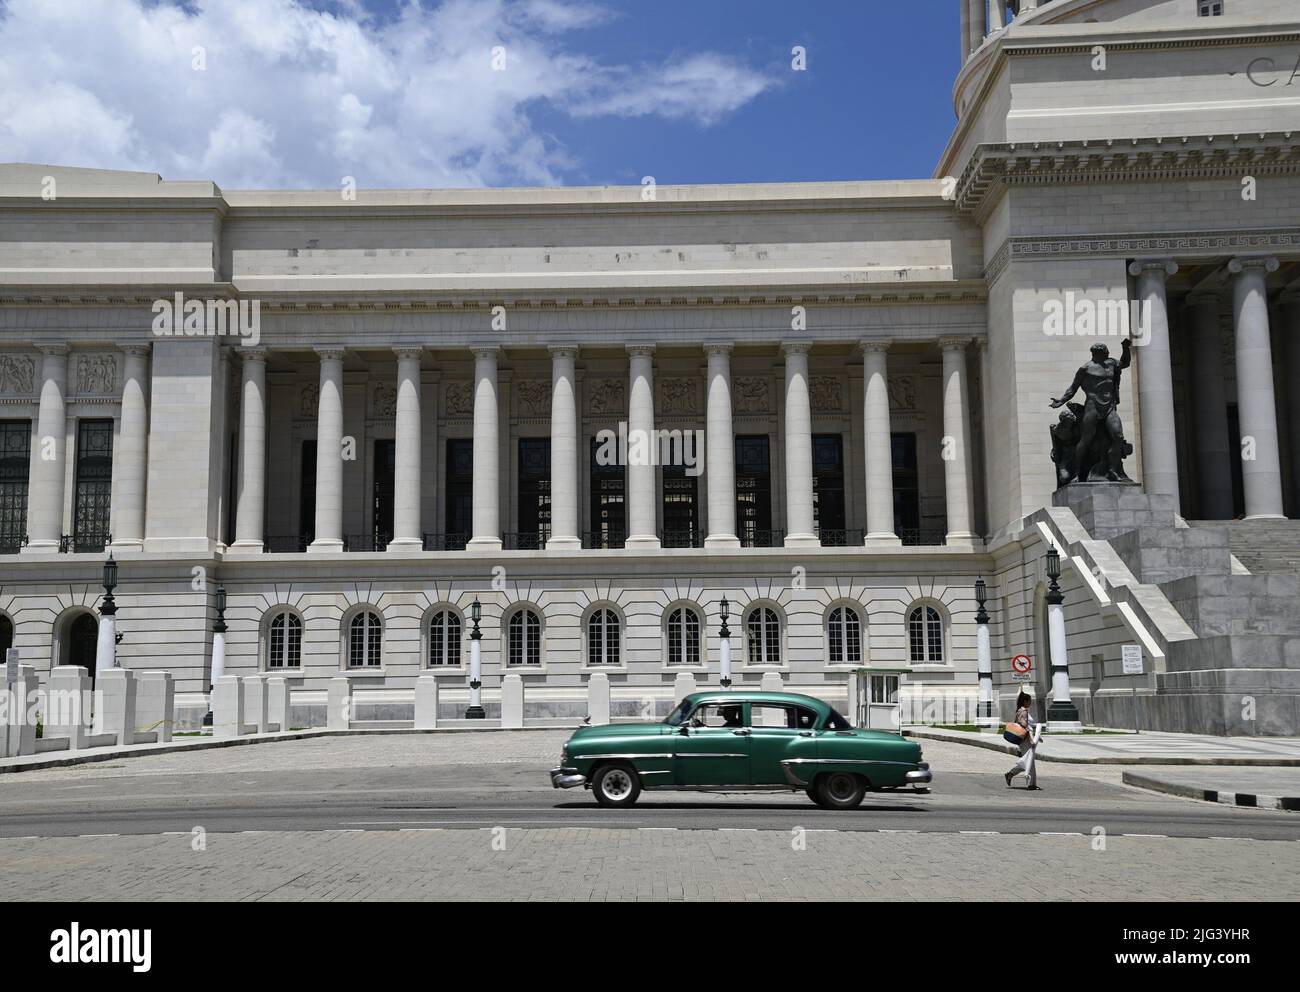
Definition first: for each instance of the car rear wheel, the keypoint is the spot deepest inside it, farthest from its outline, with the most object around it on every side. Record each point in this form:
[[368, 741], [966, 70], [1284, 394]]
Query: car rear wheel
[[839, 790], [616, 786]]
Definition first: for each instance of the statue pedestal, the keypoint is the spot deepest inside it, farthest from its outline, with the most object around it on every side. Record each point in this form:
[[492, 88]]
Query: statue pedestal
[[1108, 509]]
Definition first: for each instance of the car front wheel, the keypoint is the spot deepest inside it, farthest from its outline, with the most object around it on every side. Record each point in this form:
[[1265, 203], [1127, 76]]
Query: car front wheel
[[616, 786], [839, 790]]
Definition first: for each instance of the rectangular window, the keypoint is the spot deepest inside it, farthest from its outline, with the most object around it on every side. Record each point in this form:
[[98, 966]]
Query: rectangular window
[[907, 492], [534, 492], [1210, 8], [15, 464], [608, 506], [884, 688], [828, 488], [754, 492], [93, 493], [307, 495], [681, 508], [459, 515], [381, 498]]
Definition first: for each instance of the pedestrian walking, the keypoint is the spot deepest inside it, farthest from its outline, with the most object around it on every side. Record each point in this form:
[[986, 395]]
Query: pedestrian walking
[[1024, 731]]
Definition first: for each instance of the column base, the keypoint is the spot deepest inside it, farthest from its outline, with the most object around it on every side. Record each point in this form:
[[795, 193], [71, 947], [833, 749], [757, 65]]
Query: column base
[[325, 546], [247, 547], [563, 544], [882, 540], [1063, 718], [802, 541], [484, 544], [1064, 727], [405, 544], [1267, 516], [959, 539], [722, 541], [117, 547], [475, 713], [39, 548], [642, 542]]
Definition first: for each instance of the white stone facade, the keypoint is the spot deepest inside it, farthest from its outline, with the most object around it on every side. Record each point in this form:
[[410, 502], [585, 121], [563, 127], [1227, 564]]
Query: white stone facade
[[787, 312]]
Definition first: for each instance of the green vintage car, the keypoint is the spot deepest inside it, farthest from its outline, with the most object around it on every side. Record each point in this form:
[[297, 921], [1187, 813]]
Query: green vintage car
[[740, 741]]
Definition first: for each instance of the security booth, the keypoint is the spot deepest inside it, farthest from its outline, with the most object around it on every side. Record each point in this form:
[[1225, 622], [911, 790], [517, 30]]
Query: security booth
[[874, 697]]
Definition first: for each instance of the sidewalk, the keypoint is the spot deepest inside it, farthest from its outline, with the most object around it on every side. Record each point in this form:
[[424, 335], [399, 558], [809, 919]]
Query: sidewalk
[[1137, 749], [1261, 788]]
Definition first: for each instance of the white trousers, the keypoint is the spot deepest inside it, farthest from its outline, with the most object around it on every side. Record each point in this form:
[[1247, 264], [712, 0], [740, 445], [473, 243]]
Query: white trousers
[[1026, 764]]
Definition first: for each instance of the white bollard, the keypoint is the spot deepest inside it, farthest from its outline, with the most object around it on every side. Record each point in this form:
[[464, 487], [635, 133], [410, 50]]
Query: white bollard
[[279, 702], [339, 702], [512, 702], [256, 703], [426, 703], [598, 699], [155, 704], [67, 704], [227, 707], [771, 716], [683, 686], [116, 713]]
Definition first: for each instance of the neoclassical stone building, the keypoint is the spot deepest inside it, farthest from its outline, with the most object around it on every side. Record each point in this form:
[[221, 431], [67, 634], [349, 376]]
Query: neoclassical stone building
[[373, 408]]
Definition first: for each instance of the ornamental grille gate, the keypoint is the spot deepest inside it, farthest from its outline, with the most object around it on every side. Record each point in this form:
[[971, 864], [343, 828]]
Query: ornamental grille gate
[[15, 463], [534, 493], [460, 493], [754, 493], [94, 486], [828, 489], [608, 509]]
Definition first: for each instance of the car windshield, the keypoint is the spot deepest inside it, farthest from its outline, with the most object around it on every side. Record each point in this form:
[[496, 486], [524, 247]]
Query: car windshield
[[678, 716]]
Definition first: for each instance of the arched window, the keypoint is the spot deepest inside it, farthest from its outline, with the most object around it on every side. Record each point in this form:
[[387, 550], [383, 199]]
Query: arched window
[[365, 638], [524, 639], [6, 633], [444, 640], [284, 641], [602, 638], [763, 632], [683, 636], [844, 636], [925, 636]]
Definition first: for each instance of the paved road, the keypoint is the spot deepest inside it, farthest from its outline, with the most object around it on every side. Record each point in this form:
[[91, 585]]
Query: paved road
[[279, 812]]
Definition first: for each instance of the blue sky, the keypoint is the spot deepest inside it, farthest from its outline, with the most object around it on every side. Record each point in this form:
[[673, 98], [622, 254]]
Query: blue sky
[[302, 93]]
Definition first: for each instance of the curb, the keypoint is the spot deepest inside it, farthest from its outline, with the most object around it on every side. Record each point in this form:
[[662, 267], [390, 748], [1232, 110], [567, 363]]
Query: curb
[[970, 740], [59, 759], [1246, 799]]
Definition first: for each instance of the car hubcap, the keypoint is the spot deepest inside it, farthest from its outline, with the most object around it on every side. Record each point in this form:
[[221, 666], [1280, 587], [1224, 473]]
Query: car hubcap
[[616, 784], [841, 788]]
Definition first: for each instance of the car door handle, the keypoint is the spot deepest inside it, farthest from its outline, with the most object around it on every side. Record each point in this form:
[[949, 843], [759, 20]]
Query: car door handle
[[741, 733], [805, 733]]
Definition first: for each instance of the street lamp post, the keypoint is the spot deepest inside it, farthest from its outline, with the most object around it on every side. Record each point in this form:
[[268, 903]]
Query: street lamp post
[[1062, 715], [984, 716], [106, 645], [724, 646], [475, 710], [218, 651]]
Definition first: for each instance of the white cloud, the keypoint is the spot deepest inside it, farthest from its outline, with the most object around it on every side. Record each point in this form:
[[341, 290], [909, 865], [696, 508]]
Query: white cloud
[[294, 96]]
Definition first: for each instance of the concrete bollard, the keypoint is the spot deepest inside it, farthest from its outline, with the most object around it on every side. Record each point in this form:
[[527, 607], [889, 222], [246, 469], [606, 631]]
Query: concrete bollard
[[155, 704], [598, 699], [256, 703], [279, 701], [339, 702], [772, 683], [67, 704], [426, 703], [227, 707], [512, 702], [683, 686], [115, 713], [17, 731]]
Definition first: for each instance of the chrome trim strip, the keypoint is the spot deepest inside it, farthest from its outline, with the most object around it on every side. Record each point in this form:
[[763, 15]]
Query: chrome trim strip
[[703, 754], [844, 761], [621, 757]]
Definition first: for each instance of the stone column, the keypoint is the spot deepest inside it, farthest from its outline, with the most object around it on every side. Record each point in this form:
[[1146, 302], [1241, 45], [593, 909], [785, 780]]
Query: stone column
[[407, 533], [1257, 412], [564, 449], [720, 450], [799, 530], [129, 456], [45, 494], [879, 447], [1210, 404], [249, 523], [956, 430], [1291, 316], [641, 446], [487, 446], [329, 454], [997, 15], [1156, 380], [965, 29], [975, 27]]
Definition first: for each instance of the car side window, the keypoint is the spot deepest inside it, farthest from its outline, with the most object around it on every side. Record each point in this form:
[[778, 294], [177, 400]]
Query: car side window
[[782, 715], [718, 715]]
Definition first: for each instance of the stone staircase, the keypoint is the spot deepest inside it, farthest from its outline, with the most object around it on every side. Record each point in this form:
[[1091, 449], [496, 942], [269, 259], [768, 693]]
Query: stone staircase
[[1245, 658]]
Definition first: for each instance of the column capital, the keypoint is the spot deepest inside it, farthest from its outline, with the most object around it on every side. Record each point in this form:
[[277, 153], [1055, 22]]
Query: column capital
[[563, 350], [1241, 263], [719, 347], [879, 345], [796, 347], [1166, 265], [136, 348], [644, 350], [408, 353], [253, 354], [485, 351], [955, 343], [332, 353], [61, 348]]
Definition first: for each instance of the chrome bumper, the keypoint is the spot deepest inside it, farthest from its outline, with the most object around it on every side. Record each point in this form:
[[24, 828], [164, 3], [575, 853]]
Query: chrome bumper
[[566, 778], [921, 776]]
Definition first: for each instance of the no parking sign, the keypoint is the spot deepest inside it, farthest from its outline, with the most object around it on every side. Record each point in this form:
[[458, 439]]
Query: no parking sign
[[1022, 668]]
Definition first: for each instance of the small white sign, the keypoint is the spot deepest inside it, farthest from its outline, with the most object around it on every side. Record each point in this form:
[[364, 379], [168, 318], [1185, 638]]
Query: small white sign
[[11, 665], [1131, 655], [1022, 668]]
